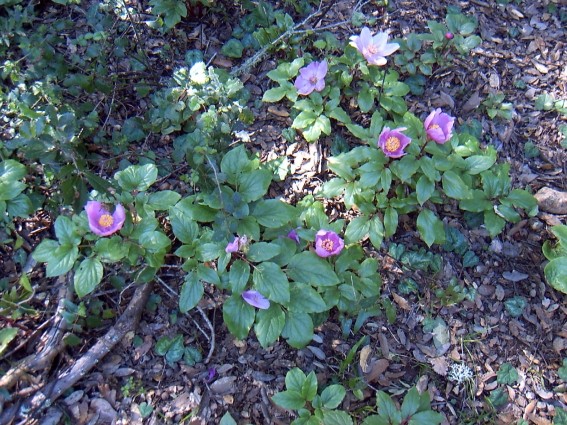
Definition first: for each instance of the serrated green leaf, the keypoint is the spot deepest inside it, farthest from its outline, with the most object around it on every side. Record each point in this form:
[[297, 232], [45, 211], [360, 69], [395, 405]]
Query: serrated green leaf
[[309, 387], [88, 276], [430, 228], [273, 213], [163, 200], [357, 229], [137, 177], [269, 280], [65, 231], [44, 251], [253, 185], [298, 329], [289, 399], [307, 267], [62, 260], [191, 292], [238, 316], [262, 251], [424, 189], [238, 276], [269, 325], [336, 417], [479, 163], [454, 186], [332, 396]]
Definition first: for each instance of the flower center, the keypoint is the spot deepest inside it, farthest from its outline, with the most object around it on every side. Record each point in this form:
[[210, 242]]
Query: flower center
[[105, 220], [433, 126], [372, 49], [393, 144], [313, 80], [328, 245]]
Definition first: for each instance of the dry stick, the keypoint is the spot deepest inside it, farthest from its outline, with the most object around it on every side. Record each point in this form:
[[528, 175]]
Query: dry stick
[[53, 340], [126, 323], [250, 62]]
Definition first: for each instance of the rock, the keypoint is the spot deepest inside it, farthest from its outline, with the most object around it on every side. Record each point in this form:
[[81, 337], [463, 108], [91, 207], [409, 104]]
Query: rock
[[551, 200]]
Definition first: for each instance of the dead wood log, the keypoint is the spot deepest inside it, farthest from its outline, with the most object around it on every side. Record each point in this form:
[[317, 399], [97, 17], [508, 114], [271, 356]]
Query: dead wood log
[[34, 405]]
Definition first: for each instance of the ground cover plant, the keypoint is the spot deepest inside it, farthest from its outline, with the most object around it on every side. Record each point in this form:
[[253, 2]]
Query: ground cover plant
[[364, 265]]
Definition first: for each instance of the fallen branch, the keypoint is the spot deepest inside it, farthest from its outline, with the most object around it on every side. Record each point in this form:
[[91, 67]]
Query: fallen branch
[[44, 398], [52, 341]]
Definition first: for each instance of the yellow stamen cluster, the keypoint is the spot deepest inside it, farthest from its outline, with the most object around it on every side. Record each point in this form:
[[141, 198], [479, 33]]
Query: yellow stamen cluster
[[106, 220], [328, 245], [434, 126], [392, 144]]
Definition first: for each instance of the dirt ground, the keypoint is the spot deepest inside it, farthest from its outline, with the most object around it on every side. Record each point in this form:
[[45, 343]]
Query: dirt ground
[[523, 54]]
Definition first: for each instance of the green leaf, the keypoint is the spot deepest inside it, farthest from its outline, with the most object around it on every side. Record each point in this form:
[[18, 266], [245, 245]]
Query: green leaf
[[521, 198], [430, 228], [289, 399], [387, 408], [62, 260], [556, 274], [303, 298], [405, 168], [269, 325], [252, 186], [235, 162], [304, 120], [65, 231], [295, 379], [477, 203], [277, 93], [9, 190], [365, 100], [479, 163], [454, 186], [322, 124], [507, 374], [410, 405], [332, 396], [269, 279], [493, 223], [273, 213], [238, 276], [11, 171], [428, 417], [163, 200], [6, 336], [176, 350], [44, 251], [307, 267], [298, 329], [515, 306], [183, 227], [137, 177], [336, 417], [154, 241], [191, 292], [233, 48], [498, 397], [111, 250], [309, 387], [376, 232], [424, 189], [357, 229], [390, 221], [227, 419], [238, 316], [88, 276], [262, 251]]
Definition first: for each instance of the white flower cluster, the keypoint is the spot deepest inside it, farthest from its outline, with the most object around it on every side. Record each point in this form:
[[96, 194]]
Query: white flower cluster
[[460, 373]]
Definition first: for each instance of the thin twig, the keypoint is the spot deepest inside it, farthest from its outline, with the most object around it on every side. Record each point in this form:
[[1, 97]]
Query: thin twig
[[212, 340]]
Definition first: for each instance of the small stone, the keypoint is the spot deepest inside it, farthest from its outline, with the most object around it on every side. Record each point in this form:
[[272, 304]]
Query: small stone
[[551, 200]]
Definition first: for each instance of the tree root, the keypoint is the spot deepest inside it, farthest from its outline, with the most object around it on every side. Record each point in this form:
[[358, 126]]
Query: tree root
[[34, 405]]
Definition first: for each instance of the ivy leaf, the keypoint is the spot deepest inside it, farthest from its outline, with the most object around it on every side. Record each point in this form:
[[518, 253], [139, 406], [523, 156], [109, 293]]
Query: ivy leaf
[[507, 374]]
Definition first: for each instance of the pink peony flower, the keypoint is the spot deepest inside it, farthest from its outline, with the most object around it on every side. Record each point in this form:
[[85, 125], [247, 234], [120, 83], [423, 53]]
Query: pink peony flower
[[311, 77], [393, 142], [373, 48], [328, 243], [101, 221], [256, 299], [438, 126]]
